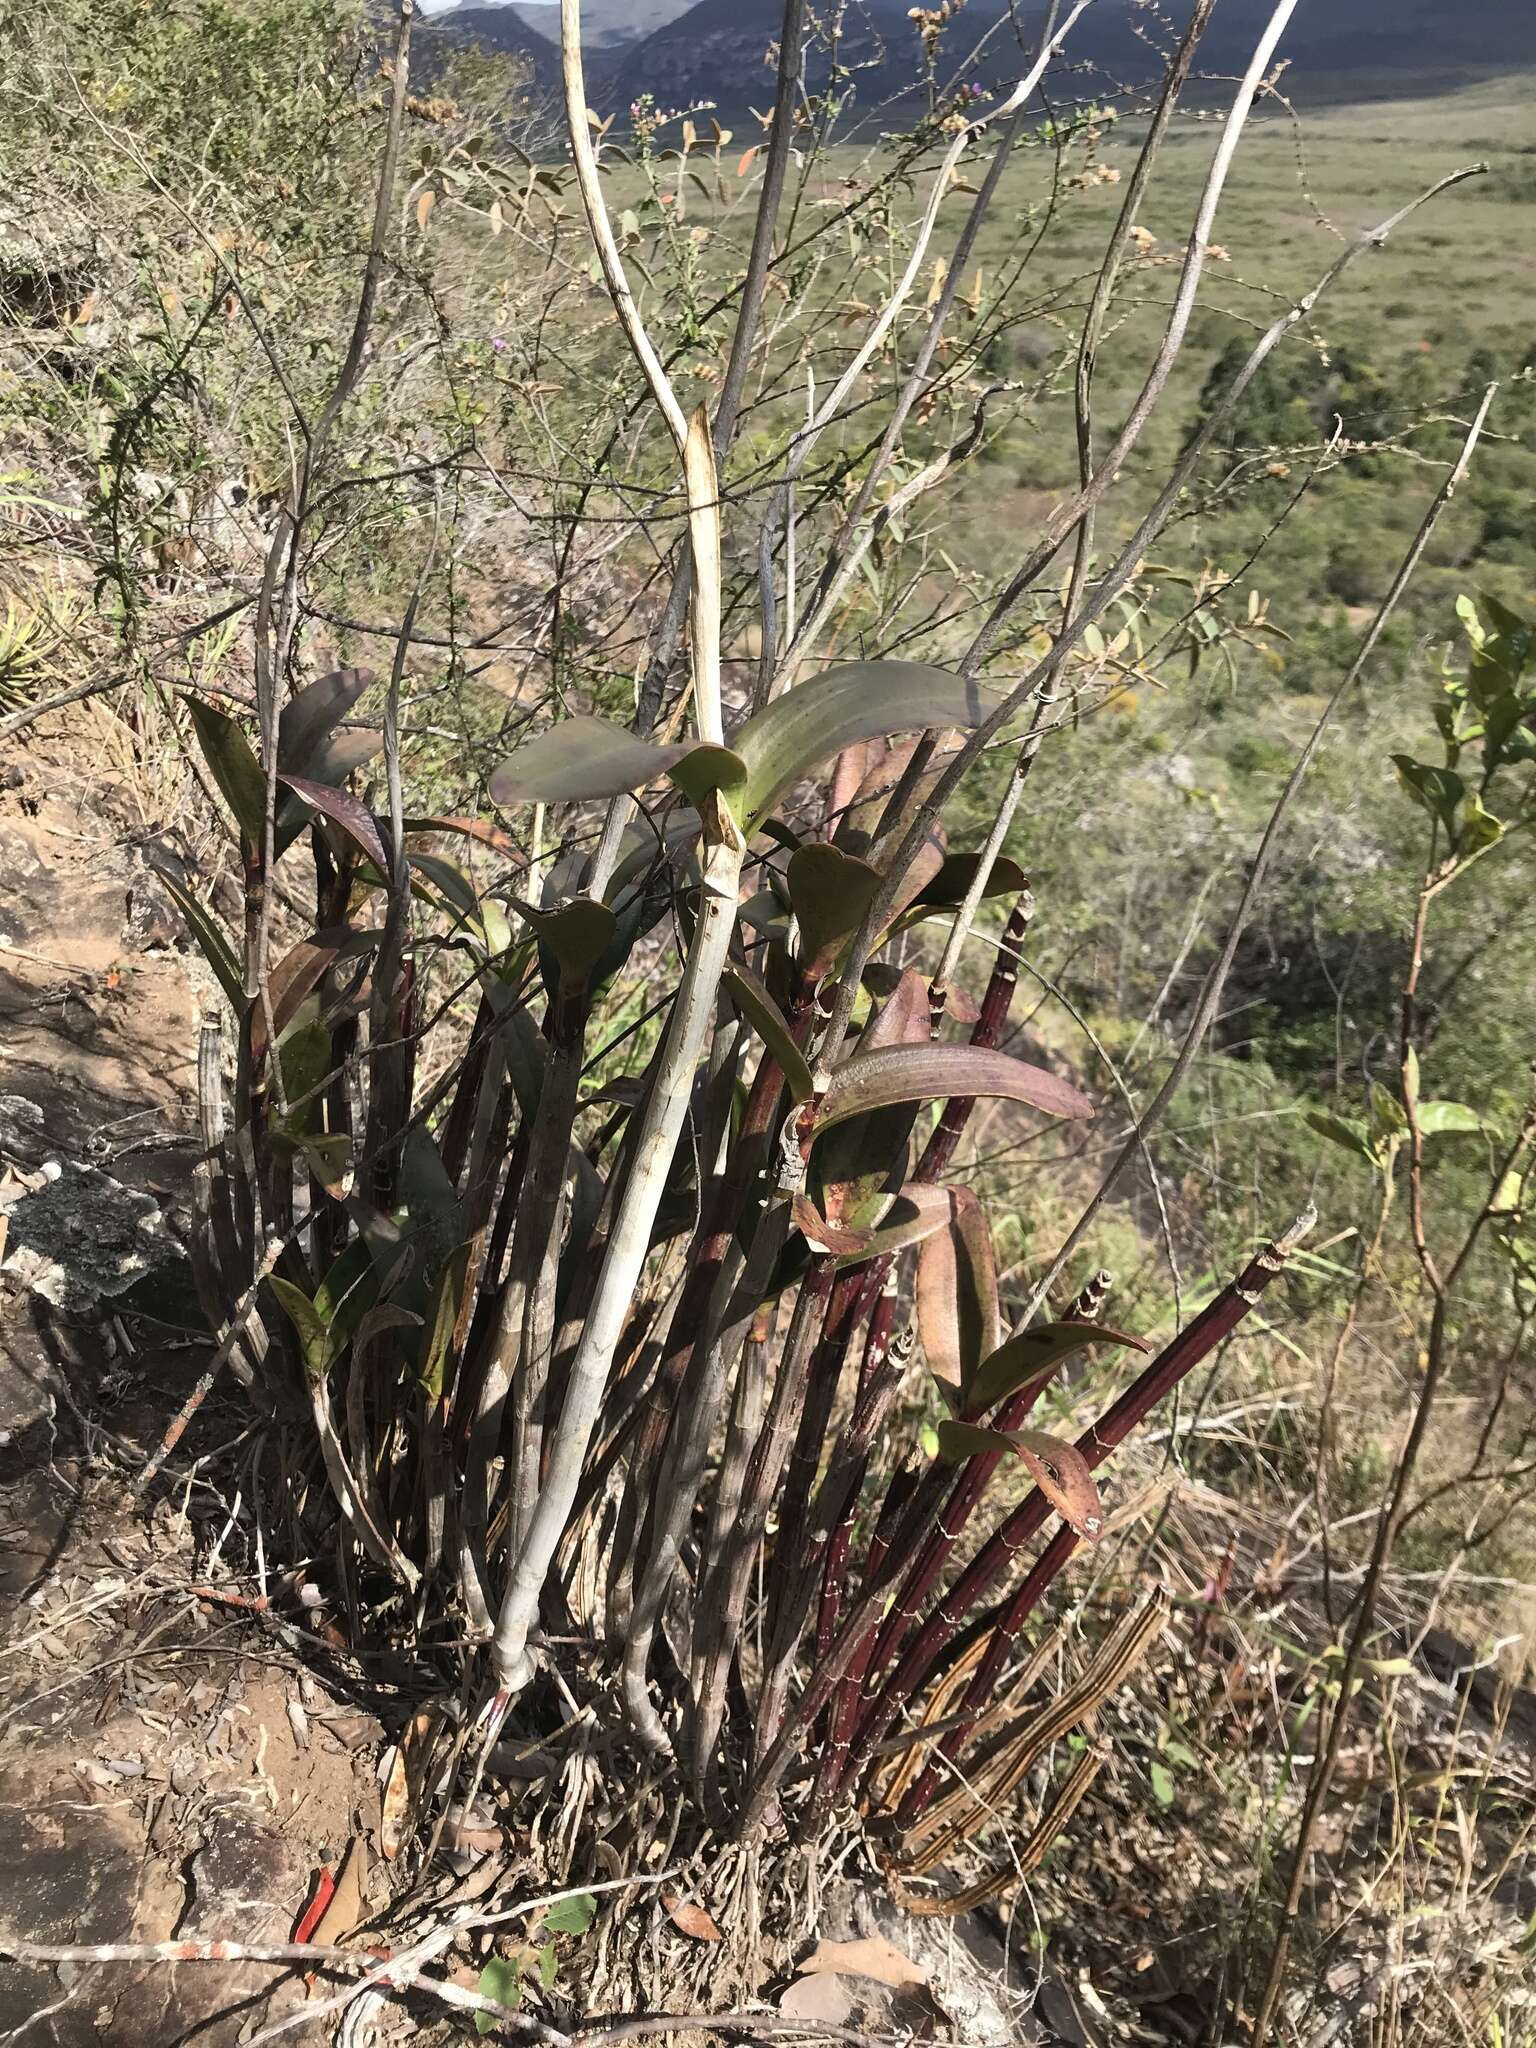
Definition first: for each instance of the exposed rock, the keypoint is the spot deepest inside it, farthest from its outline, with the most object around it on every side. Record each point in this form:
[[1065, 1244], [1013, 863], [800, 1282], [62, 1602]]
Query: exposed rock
[[81, 1237]]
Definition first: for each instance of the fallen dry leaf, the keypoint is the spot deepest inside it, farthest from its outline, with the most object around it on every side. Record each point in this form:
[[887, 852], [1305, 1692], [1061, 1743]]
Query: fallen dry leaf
[[874, 1956], [346, 1908], [690, 1920], [826, 1998], [402, 1786]]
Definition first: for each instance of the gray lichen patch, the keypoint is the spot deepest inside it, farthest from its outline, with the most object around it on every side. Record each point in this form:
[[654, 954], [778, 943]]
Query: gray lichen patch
[[80, 1236]]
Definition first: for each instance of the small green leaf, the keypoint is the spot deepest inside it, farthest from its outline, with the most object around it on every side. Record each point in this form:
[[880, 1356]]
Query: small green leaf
[[1436, 789], [578, 934], [1388, 1118], [1348, 1131], [1163, 1790], [958, 871], [314, 1338], [1180, 1754], [548, 1965], [1035, 1355], [704, 769], [1479, 827], [572, 1916], [1437, 1118], [351, 1266], [501, 1979]]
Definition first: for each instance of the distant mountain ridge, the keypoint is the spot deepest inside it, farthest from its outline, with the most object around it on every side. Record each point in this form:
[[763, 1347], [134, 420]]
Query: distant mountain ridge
[[719, 52]]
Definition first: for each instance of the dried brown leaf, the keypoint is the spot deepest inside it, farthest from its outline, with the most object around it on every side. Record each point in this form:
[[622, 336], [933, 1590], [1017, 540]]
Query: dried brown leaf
[[825, 1998], [873, 1956], [690, 1919], [1061, 1473]]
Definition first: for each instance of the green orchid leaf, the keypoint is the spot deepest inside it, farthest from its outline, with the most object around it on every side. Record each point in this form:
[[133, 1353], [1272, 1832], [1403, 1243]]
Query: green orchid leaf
[[1035, 1355], [1438, 1118], [581, 757], [437, 1331], [920, 1073], [578, 934], [1350, 1132], [234, 767], [860, 700], [957, 872], [830, 892], [212, 944], [750, 998], [307, 740], [314, 1338]]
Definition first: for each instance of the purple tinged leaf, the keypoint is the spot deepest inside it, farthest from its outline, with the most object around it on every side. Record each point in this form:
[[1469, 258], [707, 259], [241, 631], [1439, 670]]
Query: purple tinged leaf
[[471, 828], [296, 974], [857, 819], [908, 1217], [308, 720], [347, 811], [1058, 1468], [881, 978], [920, 1073], [957, 1313], [904, 1018]]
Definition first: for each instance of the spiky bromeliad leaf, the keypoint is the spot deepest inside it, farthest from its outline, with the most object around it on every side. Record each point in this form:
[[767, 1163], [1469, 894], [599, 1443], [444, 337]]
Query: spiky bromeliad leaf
[[1057, 1468], [919, 1073], [957, 1312], [1034, 1355]]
